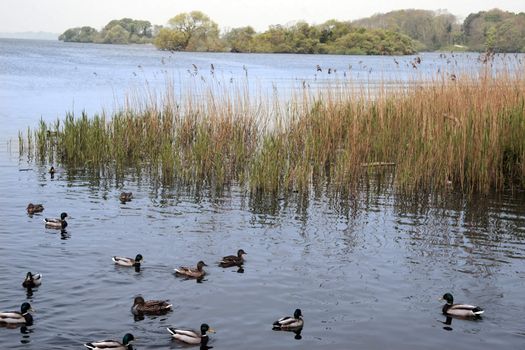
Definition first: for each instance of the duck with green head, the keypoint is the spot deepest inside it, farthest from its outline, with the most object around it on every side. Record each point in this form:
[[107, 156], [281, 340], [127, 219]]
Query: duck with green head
[[192, 272], [32, 280], [34, 208], [14, 318], [190, 336], [112, 344], [290, 323], [460, 310], [56, 223], [128, 262]]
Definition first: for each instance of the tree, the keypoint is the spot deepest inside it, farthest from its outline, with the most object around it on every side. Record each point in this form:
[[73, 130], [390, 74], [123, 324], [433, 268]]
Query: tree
[[495, 30], [240, 39], [198, 30], [79, 34], [116, 35], [433, 29], [169, 39]]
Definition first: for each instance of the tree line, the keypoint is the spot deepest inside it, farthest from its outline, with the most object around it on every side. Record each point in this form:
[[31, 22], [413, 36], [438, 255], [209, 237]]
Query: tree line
[[394, 33], [122, 31]]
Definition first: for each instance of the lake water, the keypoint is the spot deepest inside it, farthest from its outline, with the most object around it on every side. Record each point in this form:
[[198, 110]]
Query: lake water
[[367, 270]]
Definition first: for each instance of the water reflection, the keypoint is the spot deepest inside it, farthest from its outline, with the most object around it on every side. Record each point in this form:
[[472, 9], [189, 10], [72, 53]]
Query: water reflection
[[64, 235], [26, 332], [29, 293], [297, 332], [448, 324]]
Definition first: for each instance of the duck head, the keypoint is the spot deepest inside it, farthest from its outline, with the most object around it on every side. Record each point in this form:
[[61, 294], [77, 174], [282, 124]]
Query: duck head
[[205, 328], [127, 339], [448, 298], [240, 253], [200, 265]]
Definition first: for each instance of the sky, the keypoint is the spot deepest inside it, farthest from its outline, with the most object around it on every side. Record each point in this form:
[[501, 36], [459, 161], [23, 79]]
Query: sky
[[58, 15]]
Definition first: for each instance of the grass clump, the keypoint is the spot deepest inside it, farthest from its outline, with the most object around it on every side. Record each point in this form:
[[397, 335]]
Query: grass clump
[[467, 133]]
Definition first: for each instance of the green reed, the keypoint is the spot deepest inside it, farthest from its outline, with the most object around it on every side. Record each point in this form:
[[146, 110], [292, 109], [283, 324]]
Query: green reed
[[467, 134]]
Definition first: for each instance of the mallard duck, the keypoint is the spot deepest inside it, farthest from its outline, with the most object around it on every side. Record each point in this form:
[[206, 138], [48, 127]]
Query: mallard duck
[[32, 280], [460, 310], [34, 208], [113, 344], [57, 223], [151, 307], [289, 322], [190, 336], [18, 318], [197, 272], [125, 196], [233, 260], [128, 262]]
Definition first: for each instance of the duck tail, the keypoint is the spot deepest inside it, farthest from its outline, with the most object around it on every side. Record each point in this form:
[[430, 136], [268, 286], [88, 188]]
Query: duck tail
[[171, 330], [478, 311]]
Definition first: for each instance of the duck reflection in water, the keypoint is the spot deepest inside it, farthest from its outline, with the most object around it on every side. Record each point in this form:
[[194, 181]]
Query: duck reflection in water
[[25, 331], [296, 332], [447, 323], [64, 235]]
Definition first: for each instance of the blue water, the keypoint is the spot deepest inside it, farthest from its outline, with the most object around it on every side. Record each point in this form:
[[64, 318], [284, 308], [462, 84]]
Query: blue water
[[367, 270]]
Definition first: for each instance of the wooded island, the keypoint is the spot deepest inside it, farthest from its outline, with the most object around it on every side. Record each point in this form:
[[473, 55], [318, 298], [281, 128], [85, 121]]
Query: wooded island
[[398, 32]]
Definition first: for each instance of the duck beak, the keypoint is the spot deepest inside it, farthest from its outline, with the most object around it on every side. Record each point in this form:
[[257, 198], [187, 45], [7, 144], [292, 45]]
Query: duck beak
[[31, 309], [211, 330]]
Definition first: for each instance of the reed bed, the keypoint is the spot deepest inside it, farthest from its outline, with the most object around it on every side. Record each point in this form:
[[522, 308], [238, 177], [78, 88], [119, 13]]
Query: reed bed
[[465, 133]]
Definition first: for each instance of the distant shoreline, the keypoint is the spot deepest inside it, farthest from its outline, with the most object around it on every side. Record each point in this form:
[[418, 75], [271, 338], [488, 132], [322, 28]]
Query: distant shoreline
[[30, 35]]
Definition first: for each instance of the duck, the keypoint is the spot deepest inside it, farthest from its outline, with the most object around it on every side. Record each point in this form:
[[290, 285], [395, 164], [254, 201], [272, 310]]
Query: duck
[[18, 318], [290, 322], [233, 260], [113, 344], [34, 208], [460, 310], [32, 280], [57, 223], [197, 272], [151, 307], [128, 262], [189, 336], [125, 196]]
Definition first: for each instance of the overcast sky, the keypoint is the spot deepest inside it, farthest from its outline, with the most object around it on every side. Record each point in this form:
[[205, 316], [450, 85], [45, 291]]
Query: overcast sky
[[58, 15]]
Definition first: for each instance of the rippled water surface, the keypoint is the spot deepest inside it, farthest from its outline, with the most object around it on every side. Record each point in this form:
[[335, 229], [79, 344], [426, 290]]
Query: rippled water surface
[[367, 270]]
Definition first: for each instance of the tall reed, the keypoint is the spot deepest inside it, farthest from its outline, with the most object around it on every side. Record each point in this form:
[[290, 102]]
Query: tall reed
[[466, 133]]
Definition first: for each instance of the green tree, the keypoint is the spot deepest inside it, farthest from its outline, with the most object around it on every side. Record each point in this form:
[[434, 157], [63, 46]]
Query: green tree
[[169, 39], [239, 39], [79, 34], [116, 35], [199, 31], [495, 30], [433, 29]]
